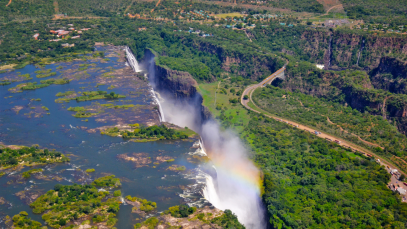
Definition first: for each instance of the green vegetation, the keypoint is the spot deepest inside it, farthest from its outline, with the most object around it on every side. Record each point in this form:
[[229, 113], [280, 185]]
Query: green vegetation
[[117, 193], [71, 202], [45, 73], [152, 132], [93, 95], [181, 168], [34, 85], [22, 221], [26, 76], [67, 93], [127, 106], [335, 119], [81, 112], [197, 69], [45, 108], [107, 181], [151, 222], [180, 211], [299, 5], [29, 156], [227, 220], [4, 82], [145, 205], [392, 12], [28, 173], [90, 170], [338, 182]]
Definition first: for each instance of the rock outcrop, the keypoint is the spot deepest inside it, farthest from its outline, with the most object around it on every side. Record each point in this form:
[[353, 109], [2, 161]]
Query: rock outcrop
[[339, 49], [390, 75]]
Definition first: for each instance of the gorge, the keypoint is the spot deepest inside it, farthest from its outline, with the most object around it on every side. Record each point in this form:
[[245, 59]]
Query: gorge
[[233, 182]]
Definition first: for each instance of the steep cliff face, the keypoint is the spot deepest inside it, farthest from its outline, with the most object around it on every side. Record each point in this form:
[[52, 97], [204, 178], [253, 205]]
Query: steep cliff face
[[180, 86], [338, 49], [355, 90], [390, 75], [249, 64]]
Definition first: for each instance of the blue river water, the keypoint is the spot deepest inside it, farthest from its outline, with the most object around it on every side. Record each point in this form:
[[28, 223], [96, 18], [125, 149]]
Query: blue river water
[[24, 122]]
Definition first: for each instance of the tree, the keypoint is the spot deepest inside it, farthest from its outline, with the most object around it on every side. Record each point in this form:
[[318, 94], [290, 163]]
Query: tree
[[402, 177], [246, 97]]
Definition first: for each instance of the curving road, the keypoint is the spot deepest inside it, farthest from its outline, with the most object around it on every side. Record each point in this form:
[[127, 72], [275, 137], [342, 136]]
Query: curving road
[[245, 102]]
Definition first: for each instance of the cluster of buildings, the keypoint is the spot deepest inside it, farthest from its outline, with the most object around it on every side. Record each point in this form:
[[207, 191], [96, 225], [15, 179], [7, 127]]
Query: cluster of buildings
[[381, 27], [197, 32], [196, 14], [62, 33], [334, 23]]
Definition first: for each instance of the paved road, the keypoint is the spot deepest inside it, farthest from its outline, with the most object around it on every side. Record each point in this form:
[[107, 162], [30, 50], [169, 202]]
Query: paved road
[[245, 102]]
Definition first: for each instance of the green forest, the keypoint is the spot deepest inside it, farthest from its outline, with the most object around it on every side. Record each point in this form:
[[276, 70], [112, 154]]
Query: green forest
[[310, 183], [307, 181], [29, 156], [151, 132], [71, 202], [326, 115], [392, 12]]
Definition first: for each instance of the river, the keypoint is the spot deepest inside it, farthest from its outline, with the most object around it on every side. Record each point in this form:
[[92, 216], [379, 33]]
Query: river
[[61, 131]]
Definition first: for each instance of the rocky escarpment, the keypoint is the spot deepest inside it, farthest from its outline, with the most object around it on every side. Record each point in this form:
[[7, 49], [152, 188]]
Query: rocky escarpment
[[390, 75], [180, 86], [353, 89], [338, 49], [242, 60]]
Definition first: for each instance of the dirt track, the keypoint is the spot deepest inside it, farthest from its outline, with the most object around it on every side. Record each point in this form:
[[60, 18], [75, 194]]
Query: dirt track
[[9, 2]]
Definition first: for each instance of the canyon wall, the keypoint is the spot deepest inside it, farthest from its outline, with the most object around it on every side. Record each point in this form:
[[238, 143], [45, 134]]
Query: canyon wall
[[242, 61], [177, 85], [390, 75], [339, 49], [358, 90]]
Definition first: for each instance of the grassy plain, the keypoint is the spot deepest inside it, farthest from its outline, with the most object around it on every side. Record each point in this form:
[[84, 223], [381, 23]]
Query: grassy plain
[[218, 100]]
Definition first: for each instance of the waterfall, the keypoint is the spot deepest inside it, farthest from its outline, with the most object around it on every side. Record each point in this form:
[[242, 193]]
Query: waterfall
[[361, 49], [157, 101], [209, 192], [132, 61], [234, 183]]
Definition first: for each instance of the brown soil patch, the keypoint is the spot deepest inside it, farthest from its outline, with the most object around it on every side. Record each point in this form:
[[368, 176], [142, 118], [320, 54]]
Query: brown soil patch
[[7, 66], [17, 109], [2, 201], [161, 159], [56, 7]]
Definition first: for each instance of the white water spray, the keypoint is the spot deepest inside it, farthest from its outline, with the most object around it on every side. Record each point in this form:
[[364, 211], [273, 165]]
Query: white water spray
[[158, 103], [361, 49], [234, 183], [132, 61]]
